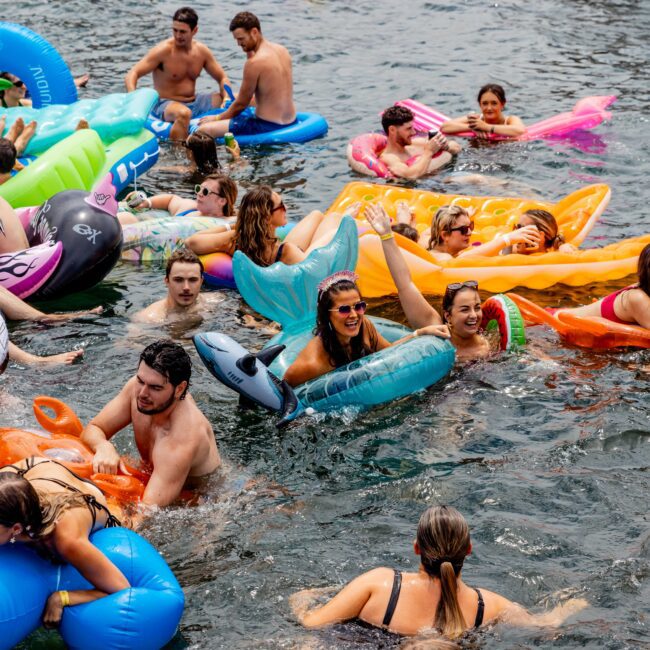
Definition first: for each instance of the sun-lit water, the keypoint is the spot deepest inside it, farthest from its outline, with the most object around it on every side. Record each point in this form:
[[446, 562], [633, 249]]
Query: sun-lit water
[[545, 452]]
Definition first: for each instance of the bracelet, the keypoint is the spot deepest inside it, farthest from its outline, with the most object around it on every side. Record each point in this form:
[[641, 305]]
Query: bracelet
[[65, 598], [148, 201], [506, 239], [386, 236], [415, 333]]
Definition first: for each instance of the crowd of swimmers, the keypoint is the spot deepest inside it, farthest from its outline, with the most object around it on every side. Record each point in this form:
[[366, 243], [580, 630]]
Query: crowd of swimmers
[[44, 504]]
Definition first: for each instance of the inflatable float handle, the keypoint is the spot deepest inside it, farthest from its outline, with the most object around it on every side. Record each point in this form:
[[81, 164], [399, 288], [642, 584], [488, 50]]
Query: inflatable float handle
[[65, 420]]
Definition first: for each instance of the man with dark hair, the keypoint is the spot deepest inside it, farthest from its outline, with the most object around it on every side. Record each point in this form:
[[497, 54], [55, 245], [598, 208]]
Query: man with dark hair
[[183, 277], [172, 435], [409, 157], [8, 157], [176, 64], [267, 78]]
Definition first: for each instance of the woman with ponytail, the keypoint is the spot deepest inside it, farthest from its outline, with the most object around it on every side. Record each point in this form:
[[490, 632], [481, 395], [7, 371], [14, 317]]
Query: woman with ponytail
[[433, 598]]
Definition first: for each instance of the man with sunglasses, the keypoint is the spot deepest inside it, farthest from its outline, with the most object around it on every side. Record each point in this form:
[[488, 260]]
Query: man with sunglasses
[[176, 64], [407, 156], [215, 197], [184, 279]]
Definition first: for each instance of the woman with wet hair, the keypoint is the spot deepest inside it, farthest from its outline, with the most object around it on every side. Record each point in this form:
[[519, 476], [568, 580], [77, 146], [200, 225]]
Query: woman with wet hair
[[491, 100], [433, 599], [262, 211], [48, 507], [202, 153], [342, 334]]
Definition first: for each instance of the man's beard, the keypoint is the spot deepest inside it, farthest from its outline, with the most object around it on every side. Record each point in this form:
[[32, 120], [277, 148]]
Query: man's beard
[[157, 410]]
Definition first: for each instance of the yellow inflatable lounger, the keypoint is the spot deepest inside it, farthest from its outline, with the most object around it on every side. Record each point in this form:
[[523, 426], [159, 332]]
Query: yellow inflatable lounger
[[576, 214], [500, 273]]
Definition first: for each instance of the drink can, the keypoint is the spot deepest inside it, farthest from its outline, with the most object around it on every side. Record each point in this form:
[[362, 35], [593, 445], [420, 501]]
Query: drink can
[[137, 198], [229, 140]]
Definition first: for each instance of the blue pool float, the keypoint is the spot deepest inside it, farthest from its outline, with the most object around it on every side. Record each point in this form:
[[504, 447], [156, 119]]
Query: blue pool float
[[288, 294], [144, 616], [31, 58]]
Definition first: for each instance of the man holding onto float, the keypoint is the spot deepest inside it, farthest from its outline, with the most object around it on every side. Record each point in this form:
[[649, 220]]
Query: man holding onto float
[[176, 63]]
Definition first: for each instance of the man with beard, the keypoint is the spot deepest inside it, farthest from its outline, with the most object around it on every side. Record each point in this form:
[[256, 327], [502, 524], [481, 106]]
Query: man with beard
[[172, 435], [409, 157], [267, 78]]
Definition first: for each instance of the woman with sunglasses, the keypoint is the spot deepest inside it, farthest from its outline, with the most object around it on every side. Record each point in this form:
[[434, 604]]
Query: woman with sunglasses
[[452, 227], [491, 100], [461, 304], [342, 333], [48, 507], [215, 197], [14, 96], [547, 235], [262, 211]]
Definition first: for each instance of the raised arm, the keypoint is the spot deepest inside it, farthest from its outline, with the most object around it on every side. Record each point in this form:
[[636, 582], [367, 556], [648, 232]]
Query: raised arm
[[148, 63], [112, 418], [418, 311], [347, 604]]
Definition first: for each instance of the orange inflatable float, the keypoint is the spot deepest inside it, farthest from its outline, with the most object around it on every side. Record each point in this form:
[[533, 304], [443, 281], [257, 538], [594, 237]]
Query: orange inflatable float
[[60, 441], [598, 333]]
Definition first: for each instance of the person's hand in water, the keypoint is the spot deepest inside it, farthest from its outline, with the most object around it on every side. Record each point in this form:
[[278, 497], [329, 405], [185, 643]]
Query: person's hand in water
[[378, 218]]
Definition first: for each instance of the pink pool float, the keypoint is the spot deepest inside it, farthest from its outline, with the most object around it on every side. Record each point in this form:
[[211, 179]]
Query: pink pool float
[[588, 113]]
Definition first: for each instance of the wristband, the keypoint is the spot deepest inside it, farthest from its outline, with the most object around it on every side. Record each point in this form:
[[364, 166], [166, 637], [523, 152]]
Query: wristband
[[65, 598], [506, 239], [148, 201], [386, 237], [415, 333]]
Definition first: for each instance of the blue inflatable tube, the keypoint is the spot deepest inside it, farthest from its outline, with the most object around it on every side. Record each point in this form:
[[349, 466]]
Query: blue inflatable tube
[[31, 58], [308, 126], [144, 616]]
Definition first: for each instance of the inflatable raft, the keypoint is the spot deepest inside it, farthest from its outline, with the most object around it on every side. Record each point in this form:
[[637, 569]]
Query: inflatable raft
[[77, 163], [588, 113], [593, 333]]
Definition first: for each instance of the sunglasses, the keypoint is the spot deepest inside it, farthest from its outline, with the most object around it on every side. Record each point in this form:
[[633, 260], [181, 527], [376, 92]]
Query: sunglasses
[[345, 310], [19, 83], [464, 230], [455, 287], [204, 191], [281, 206]]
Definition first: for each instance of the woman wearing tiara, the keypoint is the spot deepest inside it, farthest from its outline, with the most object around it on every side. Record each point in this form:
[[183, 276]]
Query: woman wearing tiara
[[342, 333]]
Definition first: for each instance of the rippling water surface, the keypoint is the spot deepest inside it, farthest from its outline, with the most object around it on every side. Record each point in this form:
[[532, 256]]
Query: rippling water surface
[[546, 453]]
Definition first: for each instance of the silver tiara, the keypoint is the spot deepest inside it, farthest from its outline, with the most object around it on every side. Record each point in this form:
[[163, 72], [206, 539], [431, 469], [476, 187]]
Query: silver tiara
[[339, 276]]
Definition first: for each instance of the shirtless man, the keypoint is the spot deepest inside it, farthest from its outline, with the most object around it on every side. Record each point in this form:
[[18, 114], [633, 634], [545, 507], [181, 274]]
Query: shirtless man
[[397, 122], [171, 433], [267, 77], [215, 197], [176, 64], [183, 277]]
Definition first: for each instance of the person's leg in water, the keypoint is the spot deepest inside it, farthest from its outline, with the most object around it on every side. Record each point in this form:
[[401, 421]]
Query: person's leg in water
[[12, 233], [180, 115], [317, 229], [20, 356], [25, 136]]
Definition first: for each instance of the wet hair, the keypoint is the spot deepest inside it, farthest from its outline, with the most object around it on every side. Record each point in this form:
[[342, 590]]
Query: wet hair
[[185, 255], [37, 513], [643, 270], [443, 538], [252, 230], [396, 116], [170, 360], [186, 15], [246, 20], [337, 355], [443, 221], [453, 290], [227, 190], [547, 225], [8, 155], [406, 231], [204, 152], [495, 89]]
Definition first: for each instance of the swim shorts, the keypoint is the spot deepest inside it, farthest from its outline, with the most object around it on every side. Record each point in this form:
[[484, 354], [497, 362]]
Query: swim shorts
[[202, 104], [248, 124]]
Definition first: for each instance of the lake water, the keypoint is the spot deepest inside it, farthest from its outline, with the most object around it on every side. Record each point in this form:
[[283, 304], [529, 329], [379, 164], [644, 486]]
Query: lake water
[[546, 452]]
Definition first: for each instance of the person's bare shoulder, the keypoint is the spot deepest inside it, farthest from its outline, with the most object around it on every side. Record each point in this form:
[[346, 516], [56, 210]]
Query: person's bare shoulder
[[154, 313]]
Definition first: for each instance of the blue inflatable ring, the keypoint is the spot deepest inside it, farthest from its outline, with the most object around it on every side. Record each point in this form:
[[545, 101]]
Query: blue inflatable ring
[[31, 58], [143, 616]]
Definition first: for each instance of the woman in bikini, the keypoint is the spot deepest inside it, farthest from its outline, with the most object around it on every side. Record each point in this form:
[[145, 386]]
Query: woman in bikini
[[45, 505], [434, 597], [630, 305], [342, 332], [262, 211], [491, 100]]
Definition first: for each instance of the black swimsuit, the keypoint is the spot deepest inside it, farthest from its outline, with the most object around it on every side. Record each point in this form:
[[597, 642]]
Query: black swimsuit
[[94, 506], [394, 596], [278, 255]]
